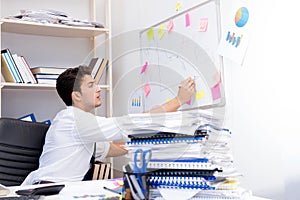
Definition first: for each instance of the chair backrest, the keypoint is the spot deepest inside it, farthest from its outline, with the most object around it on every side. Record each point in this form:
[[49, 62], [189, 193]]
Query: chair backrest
[[21, 144], [102, 170]]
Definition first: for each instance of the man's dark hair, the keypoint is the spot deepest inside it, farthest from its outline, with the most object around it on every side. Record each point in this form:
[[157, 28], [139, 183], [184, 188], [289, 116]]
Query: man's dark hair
[[69, 81]]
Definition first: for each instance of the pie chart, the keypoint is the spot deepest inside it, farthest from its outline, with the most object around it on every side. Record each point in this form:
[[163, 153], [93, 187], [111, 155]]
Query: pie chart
[[241, 17]]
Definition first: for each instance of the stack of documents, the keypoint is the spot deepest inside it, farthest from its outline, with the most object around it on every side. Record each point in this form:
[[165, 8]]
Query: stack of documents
[[191, 155], [47, 16]]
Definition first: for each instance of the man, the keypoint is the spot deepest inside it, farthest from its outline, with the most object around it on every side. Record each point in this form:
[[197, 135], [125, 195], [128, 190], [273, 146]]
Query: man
[[70, 140]]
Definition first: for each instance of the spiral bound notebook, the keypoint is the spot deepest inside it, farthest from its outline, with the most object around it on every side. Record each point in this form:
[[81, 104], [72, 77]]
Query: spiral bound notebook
[[145, 135], [182, 164], [179, 182], [164, 140], [204, 173]]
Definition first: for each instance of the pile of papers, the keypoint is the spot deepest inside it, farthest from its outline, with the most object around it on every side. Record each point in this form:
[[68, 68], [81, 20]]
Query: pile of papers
[[47, 16], [191, 155]]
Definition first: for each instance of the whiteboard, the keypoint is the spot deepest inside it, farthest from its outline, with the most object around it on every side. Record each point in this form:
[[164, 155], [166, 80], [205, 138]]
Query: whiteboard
[[186, 51]]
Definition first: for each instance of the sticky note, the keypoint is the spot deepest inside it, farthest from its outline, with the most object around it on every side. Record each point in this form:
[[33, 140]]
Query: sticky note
[[187, 20], [200, 94], [150, 34], [170, 26], [161, 31], [147, 89], [178, 6], [168, 99], [188, 102], [203, 25], [215, 90], [217, 77], [144, 68]]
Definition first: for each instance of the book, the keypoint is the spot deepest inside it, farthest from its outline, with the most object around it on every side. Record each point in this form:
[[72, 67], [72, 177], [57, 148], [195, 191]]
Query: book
[[100, 70], [32, 78], [6, 71], [21, 68], [48, 81], [93, 63], [46, 76], [94, 66], [10, 61], [47, 70]]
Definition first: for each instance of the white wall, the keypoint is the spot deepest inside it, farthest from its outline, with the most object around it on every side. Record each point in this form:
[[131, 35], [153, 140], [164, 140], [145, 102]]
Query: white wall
[[262, 107]]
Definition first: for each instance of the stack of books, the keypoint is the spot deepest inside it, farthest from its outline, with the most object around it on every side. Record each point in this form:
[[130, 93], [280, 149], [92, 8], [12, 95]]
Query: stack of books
[[47, 75], [197, 165], [15, 69]]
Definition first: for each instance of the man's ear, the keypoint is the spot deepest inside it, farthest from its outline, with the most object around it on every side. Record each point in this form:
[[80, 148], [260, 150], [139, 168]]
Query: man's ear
[[76, 96]]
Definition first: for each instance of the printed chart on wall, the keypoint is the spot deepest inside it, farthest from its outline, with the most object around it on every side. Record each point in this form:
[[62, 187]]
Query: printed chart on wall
[[181, 46]]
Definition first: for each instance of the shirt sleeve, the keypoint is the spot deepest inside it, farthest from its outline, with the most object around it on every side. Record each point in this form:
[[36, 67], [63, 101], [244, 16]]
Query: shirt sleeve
[[102, 149], [91, 128]]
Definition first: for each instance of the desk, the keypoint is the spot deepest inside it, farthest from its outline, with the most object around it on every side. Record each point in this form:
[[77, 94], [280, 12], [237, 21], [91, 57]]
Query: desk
[[77, 190], [86, 189]]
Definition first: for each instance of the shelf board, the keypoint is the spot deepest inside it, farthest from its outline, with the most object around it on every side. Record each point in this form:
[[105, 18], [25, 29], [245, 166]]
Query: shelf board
[[24, 27], [20, 86]]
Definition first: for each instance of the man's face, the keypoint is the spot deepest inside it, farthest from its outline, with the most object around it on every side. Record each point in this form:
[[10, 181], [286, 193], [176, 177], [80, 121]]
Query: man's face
[[90, 93]]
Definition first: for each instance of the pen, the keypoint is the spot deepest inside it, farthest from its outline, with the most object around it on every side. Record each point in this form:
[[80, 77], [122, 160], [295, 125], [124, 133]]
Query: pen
[[111, 190]]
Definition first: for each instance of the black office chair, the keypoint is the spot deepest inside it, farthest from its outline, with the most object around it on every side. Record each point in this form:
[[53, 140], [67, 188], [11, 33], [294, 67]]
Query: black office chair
[[21, 144]]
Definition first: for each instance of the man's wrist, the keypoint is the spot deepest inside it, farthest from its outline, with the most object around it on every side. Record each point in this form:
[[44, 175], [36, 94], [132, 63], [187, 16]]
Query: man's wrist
[[179, 101]]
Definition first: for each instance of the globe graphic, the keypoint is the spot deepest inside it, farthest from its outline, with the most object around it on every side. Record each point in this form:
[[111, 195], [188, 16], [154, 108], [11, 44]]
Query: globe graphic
[[241, 17]]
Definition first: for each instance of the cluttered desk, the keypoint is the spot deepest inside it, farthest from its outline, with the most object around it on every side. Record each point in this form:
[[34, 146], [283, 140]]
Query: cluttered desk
[[98, 189]]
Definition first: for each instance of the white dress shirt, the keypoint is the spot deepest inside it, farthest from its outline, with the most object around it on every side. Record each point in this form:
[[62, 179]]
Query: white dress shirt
[[69, 145]]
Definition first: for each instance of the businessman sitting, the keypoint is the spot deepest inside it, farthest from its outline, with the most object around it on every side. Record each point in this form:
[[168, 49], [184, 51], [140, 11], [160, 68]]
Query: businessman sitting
[[70, 140]]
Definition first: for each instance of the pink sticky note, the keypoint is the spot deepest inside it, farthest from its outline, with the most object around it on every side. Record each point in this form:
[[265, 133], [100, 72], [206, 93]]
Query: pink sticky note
[[188, 102], [147, 89], [144, 68], [187, 20], [217, 77], [170, 25], [203, 25], [215, 90]]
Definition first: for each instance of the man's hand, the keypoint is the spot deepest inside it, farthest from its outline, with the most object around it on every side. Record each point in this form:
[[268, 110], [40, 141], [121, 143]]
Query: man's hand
[[186, 90]]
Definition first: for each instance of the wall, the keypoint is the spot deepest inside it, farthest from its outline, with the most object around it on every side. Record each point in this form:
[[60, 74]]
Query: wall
[[262, 101]]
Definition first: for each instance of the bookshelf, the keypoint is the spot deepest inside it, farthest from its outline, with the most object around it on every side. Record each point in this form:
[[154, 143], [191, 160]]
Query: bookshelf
[[9, 92]]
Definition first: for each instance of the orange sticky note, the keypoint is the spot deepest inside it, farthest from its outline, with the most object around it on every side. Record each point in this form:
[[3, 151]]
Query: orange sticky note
[[203, 25], [200, 94], [216, 92], [150, 34], [161, 31], [144, 68], [187, 20], [170, 26], [147, 89]]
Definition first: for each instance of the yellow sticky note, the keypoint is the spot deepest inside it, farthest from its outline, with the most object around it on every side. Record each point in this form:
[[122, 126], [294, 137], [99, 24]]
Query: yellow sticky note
[[150, 34], [161, 31], [168, 99], [178, 6], [200, 94]]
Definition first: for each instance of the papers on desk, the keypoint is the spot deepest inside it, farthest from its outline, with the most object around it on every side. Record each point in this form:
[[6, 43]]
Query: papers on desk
[[92, 190]]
